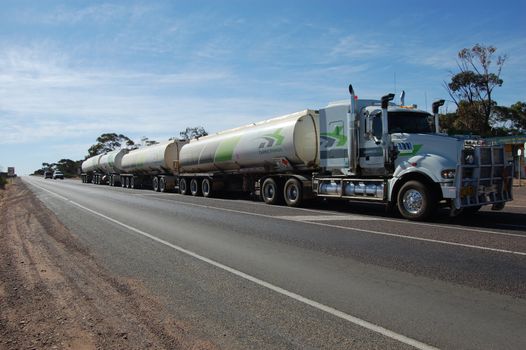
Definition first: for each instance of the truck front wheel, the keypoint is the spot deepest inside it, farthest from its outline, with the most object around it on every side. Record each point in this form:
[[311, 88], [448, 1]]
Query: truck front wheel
[[415, 201]]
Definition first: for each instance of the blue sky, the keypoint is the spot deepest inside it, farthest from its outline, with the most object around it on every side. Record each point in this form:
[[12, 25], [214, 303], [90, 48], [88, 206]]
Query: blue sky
[[72, 70]]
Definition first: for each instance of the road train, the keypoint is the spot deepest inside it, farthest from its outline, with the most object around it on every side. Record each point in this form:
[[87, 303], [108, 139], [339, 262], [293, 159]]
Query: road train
[[360, 150]]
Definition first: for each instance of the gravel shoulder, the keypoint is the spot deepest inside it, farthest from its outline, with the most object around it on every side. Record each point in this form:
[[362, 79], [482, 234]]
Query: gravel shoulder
[[54, 294]]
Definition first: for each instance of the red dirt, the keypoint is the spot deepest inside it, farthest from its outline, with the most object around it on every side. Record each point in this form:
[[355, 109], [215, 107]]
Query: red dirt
[[54, 294]]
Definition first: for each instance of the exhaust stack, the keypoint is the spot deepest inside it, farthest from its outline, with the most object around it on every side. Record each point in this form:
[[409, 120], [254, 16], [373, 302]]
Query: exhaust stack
[[436, 106], [352, 145]]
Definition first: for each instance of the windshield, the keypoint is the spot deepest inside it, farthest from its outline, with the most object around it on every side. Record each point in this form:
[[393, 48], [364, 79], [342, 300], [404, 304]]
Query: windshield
[[411, 123]]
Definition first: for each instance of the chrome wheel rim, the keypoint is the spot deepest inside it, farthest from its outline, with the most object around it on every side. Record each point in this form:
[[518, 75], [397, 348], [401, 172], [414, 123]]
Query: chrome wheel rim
[[292, 193], [269, 191], [413, 201]]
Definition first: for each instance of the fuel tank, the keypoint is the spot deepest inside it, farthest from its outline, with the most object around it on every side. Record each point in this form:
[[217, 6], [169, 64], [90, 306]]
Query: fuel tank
[[92, 164], [291, 141], [152, 160], [110, 163]]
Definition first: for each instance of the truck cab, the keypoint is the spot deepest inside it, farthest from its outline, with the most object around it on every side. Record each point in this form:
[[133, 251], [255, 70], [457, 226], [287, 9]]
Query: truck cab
[[379, 151]]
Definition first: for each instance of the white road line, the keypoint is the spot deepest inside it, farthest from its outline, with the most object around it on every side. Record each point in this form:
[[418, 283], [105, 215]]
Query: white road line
[[471, 246], [403, 222], [365, 217], [456, 228], [355, 229], [353, 319], [322, 217]]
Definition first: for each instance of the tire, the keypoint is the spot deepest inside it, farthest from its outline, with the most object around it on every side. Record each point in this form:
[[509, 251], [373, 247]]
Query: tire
[[415, 201], [206, 188], [293, 192], [132, 182], [183, 186], [127, 182], [162, 184], [270, 192], [195, 187], [155, 184], [123, 182]]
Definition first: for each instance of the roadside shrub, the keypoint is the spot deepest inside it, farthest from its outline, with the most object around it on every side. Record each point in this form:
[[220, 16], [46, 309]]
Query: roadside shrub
[[3, 182]]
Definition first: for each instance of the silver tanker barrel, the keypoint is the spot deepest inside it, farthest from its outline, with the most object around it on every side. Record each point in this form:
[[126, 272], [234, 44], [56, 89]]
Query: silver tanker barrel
[[110, 163], [282, 143], [89, 167], [152, 160], [91, 164]]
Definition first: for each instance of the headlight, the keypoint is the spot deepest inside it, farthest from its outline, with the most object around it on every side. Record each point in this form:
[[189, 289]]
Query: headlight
[[448, 173]]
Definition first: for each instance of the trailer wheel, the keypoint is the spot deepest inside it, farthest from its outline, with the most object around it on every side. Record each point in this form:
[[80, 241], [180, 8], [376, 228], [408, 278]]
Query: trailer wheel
[[123, 182], [270, 191], [132, 182], [415, 201], [155, 183], [183, 186], [195, 189], [206, 188], [293, 192], [162, 184]]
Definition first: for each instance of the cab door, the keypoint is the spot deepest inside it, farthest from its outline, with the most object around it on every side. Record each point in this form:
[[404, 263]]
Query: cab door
[[371, 147]]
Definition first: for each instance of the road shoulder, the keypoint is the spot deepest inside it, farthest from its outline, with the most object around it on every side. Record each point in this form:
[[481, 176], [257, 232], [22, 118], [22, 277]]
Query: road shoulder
[[53, 293]]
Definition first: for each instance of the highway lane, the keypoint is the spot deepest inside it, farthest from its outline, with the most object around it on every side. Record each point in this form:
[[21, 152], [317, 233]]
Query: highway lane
[[446, 284]]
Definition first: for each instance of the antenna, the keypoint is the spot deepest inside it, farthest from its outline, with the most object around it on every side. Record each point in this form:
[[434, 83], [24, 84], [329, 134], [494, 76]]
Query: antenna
[[395, 83], [425, 96]]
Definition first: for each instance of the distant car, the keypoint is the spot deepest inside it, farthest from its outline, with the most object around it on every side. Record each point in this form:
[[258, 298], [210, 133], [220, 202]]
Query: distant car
[[58, 175], [48, 175]]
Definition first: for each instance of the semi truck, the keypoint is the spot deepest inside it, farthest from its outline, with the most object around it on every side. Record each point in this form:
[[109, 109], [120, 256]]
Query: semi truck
[[359, 150]]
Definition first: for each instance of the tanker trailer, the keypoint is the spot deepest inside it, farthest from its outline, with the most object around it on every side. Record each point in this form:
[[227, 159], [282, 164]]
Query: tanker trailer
[[152, 166], [266, 156], [110, 164], [90, 169]]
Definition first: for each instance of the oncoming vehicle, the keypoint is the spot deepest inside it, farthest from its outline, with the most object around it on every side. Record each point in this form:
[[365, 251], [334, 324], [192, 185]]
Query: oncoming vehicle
[[58, 175], [48, 175]]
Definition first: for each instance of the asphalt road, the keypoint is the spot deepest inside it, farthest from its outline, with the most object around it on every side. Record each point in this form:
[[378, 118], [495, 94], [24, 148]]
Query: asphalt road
[[333, 276]]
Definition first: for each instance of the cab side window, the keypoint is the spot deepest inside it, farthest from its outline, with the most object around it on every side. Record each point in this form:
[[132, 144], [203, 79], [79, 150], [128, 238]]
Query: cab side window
[[377, 126]]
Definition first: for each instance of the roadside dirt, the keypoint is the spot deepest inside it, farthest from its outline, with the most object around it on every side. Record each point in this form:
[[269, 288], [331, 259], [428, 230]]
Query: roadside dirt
[[54, 294]]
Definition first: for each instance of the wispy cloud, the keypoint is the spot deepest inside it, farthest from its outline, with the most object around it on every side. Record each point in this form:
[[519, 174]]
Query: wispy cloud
[[96, 13], [352, 47]]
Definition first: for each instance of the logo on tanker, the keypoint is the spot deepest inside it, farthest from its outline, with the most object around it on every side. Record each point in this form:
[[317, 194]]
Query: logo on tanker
[[334, 138], [271, 142]]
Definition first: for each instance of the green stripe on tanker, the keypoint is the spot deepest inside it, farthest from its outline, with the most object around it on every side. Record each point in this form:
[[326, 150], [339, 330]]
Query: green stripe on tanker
[[226, 149]]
